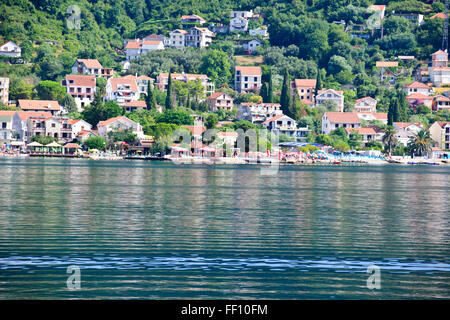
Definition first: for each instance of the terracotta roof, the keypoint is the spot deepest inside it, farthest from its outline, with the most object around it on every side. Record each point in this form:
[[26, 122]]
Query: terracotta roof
[[343, 117], [39, 105], [152, 42], [221, 123], [186, 75], [73, 121], [305, 83], [406, 124], [417, 84], [90, 63], [139, 104], [418, 95], [387, 64], [249, 70], [273, 118], [379, 7], [439, 15], [380, 115], [133, 45], [195, 129], [441, 98], [7, 113], [215, 95], [72, 146], [439, 52], [130, 76], [85, 132], [307, 101], [123, 81], [80, 80], [112, 120], [24, 115], [363, 130]]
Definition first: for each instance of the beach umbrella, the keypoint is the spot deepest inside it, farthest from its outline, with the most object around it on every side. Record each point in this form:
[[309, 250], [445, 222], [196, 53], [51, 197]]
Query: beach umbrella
[[53, 144], [35, 144]]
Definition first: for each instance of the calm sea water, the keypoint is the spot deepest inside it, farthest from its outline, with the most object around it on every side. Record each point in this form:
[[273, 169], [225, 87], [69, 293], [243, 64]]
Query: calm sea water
[[164, 231]]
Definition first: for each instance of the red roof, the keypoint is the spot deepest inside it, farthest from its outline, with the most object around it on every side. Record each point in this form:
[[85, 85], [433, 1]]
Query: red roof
[[308, 83], [439, 15], [363, 130], [249, 70], [139, 104], [123, 81], [195, 129], [387, 64], [90, 63], [7, 113], [215, 95], [417, 85], [343, 117], [111, 120], [418, 95], [72, 146], [24, 115], [439, 52], [274, 118], [406, 124], [80, 80], [441, 98], [39, 105]]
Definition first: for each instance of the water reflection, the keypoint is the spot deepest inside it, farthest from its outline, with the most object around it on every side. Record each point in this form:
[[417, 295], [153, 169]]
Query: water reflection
[[199, 231]]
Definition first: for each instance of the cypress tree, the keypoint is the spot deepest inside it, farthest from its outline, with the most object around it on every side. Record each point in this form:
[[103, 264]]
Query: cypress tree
[[151, 99], [188, 102], [264, 92], [169, 94], [390, 114], [396, 110], [285, 99], [270, 88], [318, 82]]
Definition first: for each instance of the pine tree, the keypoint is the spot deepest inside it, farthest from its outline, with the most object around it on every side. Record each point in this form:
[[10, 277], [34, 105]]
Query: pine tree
[[285, 98], [150, 99], [169, 94], [270, 88]]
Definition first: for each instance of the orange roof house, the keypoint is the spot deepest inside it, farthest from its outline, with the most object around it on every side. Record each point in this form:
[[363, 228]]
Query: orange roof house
[[40, 105]]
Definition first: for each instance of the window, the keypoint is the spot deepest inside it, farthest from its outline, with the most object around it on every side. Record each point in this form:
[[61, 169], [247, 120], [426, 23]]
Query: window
[[336, 125], [4, 125], [256, 79], [245, 78], [53, 125]]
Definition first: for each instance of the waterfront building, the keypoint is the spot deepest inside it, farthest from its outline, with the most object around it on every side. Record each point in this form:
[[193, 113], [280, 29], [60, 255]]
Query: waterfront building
[[333, 120], [440, 133], [119, 123]]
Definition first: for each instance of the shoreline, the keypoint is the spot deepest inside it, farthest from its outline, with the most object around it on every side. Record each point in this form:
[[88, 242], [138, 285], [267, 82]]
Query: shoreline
[[395, 160]]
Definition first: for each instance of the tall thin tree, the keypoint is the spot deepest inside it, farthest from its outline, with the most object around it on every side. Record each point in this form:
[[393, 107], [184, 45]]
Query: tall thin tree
[[169, 93], [150, 99], [285, 99]]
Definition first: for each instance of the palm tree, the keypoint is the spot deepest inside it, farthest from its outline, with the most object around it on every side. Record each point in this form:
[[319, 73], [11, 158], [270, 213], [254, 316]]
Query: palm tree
[[389, 138], [421, 143]]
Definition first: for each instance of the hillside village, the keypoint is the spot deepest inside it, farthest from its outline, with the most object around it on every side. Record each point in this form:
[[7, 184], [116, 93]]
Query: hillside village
[[235, 73]]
